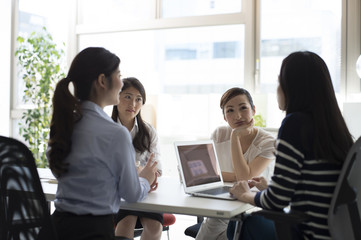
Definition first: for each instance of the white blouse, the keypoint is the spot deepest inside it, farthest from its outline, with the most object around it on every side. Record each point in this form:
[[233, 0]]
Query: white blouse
[[263, 145], [142, 158]]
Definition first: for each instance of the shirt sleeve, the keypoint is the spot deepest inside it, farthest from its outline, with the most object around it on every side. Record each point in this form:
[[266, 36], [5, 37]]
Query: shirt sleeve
[[267, 145], [289, 159], [131, 187], [154, 146], [214, 135], [221, 134], [221, 138]]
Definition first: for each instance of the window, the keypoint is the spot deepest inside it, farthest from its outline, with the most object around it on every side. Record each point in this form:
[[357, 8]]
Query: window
[[113, 11], [184, 53], [184, 8], [32, 16], [197, 63], [313, 25], [188, 52]]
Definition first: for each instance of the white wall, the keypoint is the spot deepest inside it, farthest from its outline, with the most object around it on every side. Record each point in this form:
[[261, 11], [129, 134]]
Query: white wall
[[5, 70]]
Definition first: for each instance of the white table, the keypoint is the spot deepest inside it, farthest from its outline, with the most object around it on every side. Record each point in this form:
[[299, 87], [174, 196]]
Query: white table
[[48, 182], [169, 198]]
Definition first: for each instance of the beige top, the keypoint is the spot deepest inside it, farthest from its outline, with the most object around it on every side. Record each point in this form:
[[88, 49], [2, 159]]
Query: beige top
[[263, 145]]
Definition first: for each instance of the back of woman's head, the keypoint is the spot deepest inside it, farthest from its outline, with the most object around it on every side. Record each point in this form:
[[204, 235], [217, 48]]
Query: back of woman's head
[[306, 83], [84, 70], [141, 140], [87, 66], [233, 92]]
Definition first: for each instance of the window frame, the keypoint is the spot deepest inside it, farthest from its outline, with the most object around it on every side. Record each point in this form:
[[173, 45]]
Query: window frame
[[351, 45], [246, 17], [350, 85]]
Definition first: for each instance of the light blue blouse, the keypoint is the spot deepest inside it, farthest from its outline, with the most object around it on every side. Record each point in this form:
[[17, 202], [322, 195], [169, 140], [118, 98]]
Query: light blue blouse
[[101, 167]]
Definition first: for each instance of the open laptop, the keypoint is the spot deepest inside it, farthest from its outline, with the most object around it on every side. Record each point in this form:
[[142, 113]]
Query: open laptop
[[199, 169]]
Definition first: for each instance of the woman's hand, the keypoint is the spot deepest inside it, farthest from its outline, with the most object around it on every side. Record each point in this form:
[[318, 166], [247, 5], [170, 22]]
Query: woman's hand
[[239, 190], [259, 182], [149, 172], [154, 185], [244, 129], [139, 169]]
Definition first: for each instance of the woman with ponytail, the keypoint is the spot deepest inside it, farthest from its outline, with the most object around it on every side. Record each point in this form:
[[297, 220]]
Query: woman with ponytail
[[145, 141], [91, 156]]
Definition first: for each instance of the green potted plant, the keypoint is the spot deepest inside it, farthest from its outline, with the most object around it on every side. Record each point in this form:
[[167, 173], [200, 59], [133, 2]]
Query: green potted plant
[[40, 63], [259, 121]]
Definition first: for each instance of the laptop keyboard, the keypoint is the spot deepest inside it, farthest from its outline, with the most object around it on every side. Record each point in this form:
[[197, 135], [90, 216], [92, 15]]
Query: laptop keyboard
[[216, 191]]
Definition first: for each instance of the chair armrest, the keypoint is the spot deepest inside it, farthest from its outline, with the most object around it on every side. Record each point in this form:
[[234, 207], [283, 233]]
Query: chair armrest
[[285, 217], [285, 222], [193, 230]]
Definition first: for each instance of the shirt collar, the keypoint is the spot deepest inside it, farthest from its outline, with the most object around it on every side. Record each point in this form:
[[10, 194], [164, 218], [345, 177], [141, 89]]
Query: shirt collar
[[89, 105], [134, 128]]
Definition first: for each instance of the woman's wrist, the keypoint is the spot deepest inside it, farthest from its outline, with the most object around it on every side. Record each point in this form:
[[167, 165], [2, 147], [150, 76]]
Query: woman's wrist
[[235, 135], [248, 197]]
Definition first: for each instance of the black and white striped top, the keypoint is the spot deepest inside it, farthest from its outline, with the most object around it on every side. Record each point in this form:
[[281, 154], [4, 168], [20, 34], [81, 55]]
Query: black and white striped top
[[301, 181]]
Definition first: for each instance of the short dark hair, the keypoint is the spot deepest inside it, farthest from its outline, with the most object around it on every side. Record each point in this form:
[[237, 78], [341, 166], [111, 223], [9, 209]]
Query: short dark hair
[[231, 93]]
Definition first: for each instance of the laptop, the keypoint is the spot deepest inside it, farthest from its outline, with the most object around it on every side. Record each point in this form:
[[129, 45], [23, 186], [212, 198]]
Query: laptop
[[199, 169]]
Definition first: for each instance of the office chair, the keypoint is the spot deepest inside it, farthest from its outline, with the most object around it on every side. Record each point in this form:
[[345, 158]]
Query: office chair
[[344, 214], [193, 230], [24, 212]]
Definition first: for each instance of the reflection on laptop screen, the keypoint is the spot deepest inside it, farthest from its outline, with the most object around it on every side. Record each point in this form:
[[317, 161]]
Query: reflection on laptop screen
[[198, 164]]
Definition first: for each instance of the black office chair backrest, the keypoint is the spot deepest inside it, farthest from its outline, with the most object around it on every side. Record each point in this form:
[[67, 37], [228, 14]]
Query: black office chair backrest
[[344, 215], [24, 212]]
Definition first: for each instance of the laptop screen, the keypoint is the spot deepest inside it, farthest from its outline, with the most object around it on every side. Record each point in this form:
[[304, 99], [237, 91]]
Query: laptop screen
[[199, 164]]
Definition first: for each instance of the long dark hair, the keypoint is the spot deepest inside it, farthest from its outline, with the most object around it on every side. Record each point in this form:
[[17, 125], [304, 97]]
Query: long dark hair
[[84, 70], [231, 93], [307, 87], [141, 141]]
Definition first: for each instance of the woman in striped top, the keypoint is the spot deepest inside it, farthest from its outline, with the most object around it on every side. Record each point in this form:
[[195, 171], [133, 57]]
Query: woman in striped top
[[312, 144]]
